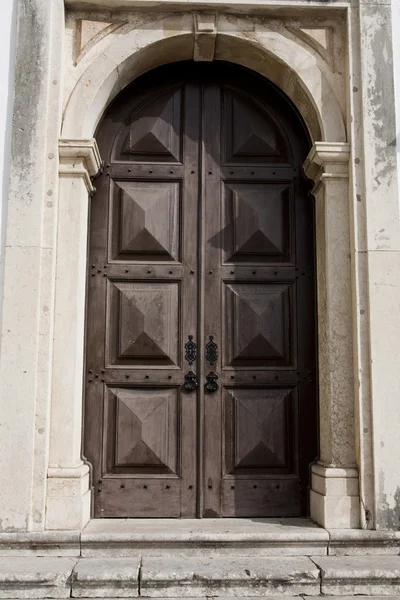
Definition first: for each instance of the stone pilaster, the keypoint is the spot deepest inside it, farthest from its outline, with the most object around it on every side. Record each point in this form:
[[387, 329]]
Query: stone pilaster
[[68, 495], [334, 497]]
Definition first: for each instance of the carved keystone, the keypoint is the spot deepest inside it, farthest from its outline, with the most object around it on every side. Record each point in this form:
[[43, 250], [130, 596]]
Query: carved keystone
[[205, 34]]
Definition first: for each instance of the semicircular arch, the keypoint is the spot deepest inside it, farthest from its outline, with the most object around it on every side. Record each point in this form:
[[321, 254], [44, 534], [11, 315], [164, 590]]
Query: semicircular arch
[[281, 60]]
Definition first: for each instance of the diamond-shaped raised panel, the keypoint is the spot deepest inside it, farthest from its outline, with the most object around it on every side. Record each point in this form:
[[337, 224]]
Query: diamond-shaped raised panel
[[146, 220], [251, 134], [257, 222], [145, 429], [143, 323], [154, 132], [257, 422], [258, 324]]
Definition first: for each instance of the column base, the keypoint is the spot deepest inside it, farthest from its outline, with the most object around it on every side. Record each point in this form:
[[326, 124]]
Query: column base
[[68, 501], [334, 497]]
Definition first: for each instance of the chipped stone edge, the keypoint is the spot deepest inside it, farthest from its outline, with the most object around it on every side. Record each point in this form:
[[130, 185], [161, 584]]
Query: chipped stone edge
[[54, 583], [363, 542], [41, 543]]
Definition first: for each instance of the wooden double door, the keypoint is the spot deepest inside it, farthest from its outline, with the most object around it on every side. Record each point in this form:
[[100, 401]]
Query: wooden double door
[[200, 350]]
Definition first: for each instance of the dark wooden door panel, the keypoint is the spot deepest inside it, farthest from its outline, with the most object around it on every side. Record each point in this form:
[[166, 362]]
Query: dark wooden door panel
[[146, 220], [256, 222], [250, 133], [155, 132], [140, 426], [258, 283], [143, 323], [259, 330], [272, 497], [201, 232], [258, 430], [142, 430]]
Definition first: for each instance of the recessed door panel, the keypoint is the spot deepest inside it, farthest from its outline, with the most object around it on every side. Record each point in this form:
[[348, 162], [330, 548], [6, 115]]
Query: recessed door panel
[[146, 221], [258, 324], [259, 430], [256, 222], [250, 132], [154, 132], [142, 431], [143, 325]]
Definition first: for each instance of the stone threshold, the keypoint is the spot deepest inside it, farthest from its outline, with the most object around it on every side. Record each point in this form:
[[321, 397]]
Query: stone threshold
[[204, 537], [201, 537], [200, 577]]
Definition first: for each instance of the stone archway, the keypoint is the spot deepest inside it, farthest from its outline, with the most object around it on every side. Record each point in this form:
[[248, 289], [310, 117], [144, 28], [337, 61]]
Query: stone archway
[[334, 495], [276, 55]]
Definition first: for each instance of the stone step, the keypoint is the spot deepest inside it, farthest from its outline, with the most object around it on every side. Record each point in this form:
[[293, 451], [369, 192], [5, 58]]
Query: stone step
[[229, 577], [105, 577], [203, 537], [36, 577], [359, 575], [362, 542], [199, 577]]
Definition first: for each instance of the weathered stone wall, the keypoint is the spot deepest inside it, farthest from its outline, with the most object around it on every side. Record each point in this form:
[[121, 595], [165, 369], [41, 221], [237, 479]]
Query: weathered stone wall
[[26, 346], [7, 59], [334, 60], [396, 69]]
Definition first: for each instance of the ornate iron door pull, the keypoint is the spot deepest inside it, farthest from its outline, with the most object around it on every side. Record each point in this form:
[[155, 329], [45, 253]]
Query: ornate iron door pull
[[211, 351], [191, 382], [211, 384], [190, 351]]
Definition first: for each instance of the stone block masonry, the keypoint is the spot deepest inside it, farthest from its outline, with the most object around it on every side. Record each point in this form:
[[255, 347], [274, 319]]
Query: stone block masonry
[[227, 577]]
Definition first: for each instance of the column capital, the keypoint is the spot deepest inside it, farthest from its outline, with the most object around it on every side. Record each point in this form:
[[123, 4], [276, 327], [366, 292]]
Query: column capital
[[327, 160], [79, 158]]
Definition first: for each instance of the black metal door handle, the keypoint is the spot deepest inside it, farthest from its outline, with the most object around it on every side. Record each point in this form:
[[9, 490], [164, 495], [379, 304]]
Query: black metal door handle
[[211, 351], [211, 384], [190, 351], [190, 383]]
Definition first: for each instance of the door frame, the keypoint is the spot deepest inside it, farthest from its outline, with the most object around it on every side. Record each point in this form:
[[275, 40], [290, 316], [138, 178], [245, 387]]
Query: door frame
[[327, 166], [45, 417]]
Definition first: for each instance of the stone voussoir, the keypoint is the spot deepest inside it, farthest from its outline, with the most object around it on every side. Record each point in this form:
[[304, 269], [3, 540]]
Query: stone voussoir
[[359, 575], [228, 576], [106, 577], [29, 577]]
